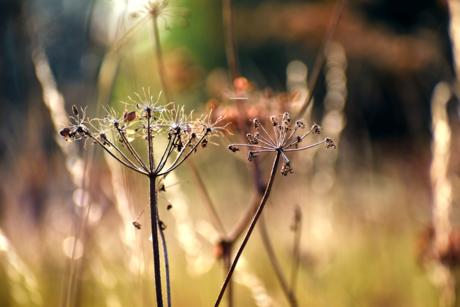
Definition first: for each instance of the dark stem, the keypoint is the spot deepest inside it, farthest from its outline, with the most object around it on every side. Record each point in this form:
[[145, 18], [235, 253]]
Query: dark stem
[[251, 228], [320, 58], [296, 256], [165, 252], [177, 164], [156, 250], [274, 261], [131, 150], [160, 62], [166, 155], [229, 35]]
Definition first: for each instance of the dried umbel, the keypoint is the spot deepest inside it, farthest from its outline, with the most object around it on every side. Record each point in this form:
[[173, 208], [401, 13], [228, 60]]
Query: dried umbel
[[284, 139], [146, 120]]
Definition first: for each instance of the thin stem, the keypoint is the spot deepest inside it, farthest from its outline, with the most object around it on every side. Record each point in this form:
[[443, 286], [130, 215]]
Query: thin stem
[[230, 43], [251, 228], [121, 153], [131, 150], [274, 261], [168, 154], [321, 57], [149, 136], [170, 142], [173, 167], [303, 148], [205, 197], [252, 145], [160, 62], [273, 142], [296, 256], [156, 251], [118, 159], [182, 151], [165, 252]]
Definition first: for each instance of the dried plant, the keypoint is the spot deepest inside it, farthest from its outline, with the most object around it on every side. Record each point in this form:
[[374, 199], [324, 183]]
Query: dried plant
[[282, 141], [147, 120]]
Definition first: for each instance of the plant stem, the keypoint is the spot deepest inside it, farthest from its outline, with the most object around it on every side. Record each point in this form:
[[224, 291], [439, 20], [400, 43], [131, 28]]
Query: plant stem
[[156, 250], [276, 266], [160, 62], [165, 252], [230, 43], [251, 228], [321, 57]]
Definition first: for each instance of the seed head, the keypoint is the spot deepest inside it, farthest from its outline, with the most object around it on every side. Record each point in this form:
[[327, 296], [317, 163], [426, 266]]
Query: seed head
[[233, 148], [74, 110]]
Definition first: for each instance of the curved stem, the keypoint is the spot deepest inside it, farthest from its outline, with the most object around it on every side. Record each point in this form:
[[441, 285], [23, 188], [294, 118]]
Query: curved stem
[[173, 167], [274, 261], [118, 159], [121, 153], [168, 152], [251, 228], [131, 150], [164, 157], [165, 252], [160, 62], [155, 243]]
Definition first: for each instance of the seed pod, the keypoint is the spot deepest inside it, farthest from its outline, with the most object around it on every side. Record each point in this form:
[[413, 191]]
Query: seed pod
[[137, 225], [74, 110], [204, 143], [65, 132], [233, 148], [256, 123], [169, 207], [129, 116]]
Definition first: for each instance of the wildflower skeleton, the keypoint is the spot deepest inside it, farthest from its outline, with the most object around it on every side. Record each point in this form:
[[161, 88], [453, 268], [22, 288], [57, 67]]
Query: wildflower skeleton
[[183, 134], [283, 141]]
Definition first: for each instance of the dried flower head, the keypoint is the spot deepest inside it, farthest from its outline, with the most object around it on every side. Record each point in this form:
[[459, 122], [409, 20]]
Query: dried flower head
[[282, 142], [77, 130]]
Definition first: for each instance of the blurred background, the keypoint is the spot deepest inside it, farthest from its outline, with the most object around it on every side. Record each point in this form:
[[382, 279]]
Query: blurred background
[[370, 210]]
